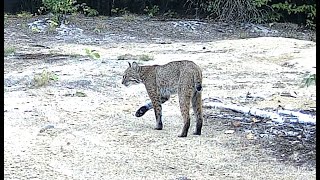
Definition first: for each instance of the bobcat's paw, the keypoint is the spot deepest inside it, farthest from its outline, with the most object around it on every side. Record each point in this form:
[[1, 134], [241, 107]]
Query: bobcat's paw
[[141, 111], [197, 133], [182, 135], [159, 126]]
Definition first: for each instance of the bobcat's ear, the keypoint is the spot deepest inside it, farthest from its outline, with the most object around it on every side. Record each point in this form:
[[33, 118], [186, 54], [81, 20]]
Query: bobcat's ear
[[135, 65], [129, 64]]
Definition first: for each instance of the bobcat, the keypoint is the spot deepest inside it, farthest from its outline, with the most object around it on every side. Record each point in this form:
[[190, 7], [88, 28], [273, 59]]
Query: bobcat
[[161, 81]]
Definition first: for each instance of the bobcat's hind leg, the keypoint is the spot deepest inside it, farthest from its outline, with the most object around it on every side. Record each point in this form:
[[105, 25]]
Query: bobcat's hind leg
[[143, 109], [158, 113], [197, 109], [184, 101]]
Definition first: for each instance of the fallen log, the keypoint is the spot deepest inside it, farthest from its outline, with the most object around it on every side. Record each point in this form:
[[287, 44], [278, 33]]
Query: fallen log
[[280, 116]]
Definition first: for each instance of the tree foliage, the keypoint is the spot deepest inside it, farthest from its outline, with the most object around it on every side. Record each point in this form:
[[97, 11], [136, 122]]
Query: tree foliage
[[294, 11], [68, 6]]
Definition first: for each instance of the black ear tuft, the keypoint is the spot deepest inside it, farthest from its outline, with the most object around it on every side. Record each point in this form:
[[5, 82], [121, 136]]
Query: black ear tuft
[[129, 64], [135, 65]]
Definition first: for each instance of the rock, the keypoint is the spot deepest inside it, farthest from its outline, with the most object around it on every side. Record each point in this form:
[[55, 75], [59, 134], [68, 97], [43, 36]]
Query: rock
[[183, 178], [78, 83], [64, 30], [229, 132], [236, 123], [289, 94], [39, 25], [250, 136], [255, 120], [46, 127]]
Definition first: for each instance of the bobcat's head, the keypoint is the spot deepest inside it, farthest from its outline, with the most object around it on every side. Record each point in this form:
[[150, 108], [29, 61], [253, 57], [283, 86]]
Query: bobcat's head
[[131, 75]]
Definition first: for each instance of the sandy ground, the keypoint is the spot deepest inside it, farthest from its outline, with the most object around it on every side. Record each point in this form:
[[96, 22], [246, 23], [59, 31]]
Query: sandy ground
[[50, 133]]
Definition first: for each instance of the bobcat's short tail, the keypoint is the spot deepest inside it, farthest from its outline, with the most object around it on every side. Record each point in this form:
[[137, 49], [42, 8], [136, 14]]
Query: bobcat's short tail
[[198, 81], [198, 86]]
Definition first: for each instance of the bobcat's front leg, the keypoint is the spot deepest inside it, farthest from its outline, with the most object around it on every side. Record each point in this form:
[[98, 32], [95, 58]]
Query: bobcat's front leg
[[158, 113]]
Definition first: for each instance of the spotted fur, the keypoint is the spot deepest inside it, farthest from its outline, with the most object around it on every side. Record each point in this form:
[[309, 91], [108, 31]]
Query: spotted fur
[[161, 81]]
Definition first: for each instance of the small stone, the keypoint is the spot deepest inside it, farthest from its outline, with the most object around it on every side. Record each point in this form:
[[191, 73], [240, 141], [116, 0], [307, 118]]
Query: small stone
[[263, 135], [229, 132], [236, 123], [255, 120], [183, 178], [250, 136], [46, 127]]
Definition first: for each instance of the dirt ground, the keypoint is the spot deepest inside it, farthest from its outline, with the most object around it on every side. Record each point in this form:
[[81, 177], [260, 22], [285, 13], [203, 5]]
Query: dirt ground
[[82, 124]]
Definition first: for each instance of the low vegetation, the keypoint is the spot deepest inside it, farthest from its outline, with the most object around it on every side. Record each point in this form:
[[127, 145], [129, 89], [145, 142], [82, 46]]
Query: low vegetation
[[9, 50], [93, 54], [129, 17], [44, 78], [24, 15], [142, 57], [309, 79], [145, 57]]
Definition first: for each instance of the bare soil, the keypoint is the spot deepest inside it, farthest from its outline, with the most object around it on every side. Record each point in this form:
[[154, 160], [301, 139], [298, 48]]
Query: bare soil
[[82, 125]]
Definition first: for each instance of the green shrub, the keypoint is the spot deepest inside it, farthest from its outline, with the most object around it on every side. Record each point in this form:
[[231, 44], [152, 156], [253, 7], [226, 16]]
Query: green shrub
[[308, 80], [255, 10], [120, 11], [153, 11], [60, 6], [44, 78], [68, 7], [24, 14], [90, 12], [287, 8], [93, 54], [145, 57], [170, 14], [231, 10], [9, 51]]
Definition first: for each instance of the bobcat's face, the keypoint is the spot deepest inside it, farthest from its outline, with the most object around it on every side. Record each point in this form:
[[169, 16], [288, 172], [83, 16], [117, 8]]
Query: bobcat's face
[[131, 75]]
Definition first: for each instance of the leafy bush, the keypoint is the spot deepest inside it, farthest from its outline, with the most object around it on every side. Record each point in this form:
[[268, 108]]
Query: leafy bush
[[9, 51], [60, 6], [67, 7], [145, 57], [288, 8], [24, 14], [170, 14], [86, 10], [44, 78], [154, 10], [230, 10], [120, 11], [256, 10]]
